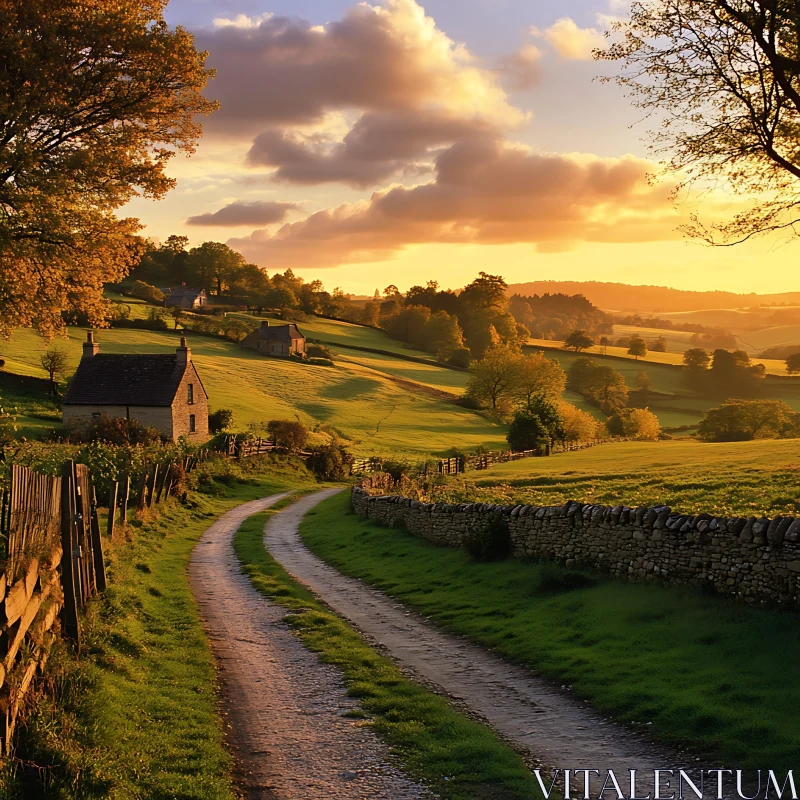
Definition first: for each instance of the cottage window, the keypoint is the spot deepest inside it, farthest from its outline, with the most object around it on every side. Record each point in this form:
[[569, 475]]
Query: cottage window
[[192, 423], [191, 393], [95, 415]]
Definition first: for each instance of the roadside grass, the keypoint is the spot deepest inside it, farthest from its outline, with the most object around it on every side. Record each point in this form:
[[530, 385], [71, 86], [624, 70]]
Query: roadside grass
[[456, 756], [697, 671], [136, 715], [366, 407], [726, 479]]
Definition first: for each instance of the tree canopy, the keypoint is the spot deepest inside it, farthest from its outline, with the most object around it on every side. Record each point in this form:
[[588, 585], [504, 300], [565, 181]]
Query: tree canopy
[[95, 98], [722, 77]]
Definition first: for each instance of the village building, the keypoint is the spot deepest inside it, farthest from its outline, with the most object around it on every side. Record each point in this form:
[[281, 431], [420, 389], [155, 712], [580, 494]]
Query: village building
[[160, 391], [282, 341], [185, 298]]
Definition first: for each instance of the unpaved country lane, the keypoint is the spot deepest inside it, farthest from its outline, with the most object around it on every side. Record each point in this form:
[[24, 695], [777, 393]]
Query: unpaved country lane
[[285, 708], [540, 719]]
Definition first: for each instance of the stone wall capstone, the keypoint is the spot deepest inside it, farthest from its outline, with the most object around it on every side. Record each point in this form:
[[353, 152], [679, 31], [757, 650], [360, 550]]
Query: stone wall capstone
[[755, 559]]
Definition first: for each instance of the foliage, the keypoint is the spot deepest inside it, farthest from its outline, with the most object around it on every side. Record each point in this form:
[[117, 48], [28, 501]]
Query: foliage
[[635, 423], [288, 433], [637, 347], [598, 383], [220, 420], [555, 316], [727, 75], [538, 377], [146, 292], [54, 362], [578, 340], [330, 462], [495, 378], [98, 97], [491, 542], [793, 364], [743, 420], [8, 426], [659, 345], [318, 351], [115, 431], [526, 432]]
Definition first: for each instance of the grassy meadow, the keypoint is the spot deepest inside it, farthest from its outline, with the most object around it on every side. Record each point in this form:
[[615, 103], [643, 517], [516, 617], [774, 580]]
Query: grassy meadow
[[378, 412], [728, 479], [455, 755], [692, 669]]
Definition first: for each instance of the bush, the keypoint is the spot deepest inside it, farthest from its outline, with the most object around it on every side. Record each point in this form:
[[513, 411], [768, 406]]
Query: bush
[[492, 542], [115, 430], [320, 362], [459, 358], [331, 462], [288, 433], [220, 420], [318, 351], [144, 291]]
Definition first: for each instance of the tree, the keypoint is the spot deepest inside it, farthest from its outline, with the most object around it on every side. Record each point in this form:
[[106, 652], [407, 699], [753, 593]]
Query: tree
[[659, 345], [604, 343], [635, 423], [442, 335], [54, 362], [607, 388], [176, 314], [578, 340], [696, 359], [793, 364], [96, 98], [548, 410], [526, 432], [578, 425], [726, 74], [538, 377], [644, 386], [495, 378], [144, 291], [637, 347], [743, 420], [214, 266]]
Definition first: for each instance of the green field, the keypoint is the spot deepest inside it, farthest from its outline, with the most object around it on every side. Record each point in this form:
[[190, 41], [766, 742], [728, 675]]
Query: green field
[[370, 409], [740, 478], [694, 668]]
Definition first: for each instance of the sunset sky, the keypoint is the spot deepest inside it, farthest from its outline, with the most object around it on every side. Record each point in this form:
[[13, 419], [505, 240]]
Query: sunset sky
[[387, 142]]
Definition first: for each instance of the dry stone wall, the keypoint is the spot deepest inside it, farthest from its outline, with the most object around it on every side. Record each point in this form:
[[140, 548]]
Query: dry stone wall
[[755, 559]]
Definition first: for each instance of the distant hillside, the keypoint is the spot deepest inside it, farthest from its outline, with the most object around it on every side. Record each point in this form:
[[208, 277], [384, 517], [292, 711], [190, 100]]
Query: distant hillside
[[652, 299]]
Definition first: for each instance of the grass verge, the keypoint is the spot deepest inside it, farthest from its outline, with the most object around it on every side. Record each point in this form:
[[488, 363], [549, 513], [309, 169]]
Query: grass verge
[[136, 715], [699, 671], [458, 757]]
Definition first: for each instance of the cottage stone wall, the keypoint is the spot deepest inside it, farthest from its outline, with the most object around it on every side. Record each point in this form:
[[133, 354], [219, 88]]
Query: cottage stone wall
[[755, 559], [181, 409]]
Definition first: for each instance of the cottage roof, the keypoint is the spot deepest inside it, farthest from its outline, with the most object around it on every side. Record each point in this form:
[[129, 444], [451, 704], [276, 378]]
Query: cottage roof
[[183, 291], [112, 379], [283, 333]]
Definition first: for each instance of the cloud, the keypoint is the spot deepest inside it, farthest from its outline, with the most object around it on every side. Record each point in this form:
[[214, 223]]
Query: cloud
[[244, 213], [571, 42], [241, 21], [404, 88], [521, 70], [486, 191]]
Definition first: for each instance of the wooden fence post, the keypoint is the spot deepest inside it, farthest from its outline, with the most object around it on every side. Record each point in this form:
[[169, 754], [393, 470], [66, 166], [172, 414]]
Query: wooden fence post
[[141, 497], [97, 547], [112, 509], [68, 572], [123, 501], [151, 493]]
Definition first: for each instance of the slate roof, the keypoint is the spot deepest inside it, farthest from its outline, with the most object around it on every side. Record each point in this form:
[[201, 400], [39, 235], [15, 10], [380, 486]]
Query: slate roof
[[113, 379], [283, 333]]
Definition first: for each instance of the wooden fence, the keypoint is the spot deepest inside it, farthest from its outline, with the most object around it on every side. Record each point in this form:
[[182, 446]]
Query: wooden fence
[[245, 448], [54, 562]]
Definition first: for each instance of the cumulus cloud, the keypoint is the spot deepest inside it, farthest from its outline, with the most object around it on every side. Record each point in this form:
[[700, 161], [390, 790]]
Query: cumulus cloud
[[244, 213], [521, 70], [570, 41], [486, 191], [404, 86]]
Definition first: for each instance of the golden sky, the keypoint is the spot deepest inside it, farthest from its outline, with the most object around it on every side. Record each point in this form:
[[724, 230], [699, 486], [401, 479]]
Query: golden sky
[[374, 146]]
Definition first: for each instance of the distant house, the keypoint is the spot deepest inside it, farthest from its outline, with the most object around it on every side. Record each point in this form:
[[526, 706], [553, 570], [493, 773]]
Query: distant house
[[188, 299], [160, 391], [282, 341]]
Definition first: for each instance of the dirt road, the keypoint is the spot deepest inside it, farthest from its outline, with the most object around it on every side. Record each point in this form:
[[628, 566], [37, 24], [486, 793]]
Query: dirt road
[[541, 720], [286, 709]]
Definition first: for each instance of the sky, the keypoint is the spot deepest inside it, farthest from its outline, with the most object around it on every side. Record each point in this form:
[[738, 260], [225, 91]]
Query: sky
[[396, 141]]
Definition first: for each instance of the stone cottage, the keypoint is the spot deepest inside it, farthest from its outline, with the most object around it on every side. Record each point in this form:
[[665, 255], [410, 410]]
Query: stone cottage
[[187, 299], [282, 341], [161, 391]]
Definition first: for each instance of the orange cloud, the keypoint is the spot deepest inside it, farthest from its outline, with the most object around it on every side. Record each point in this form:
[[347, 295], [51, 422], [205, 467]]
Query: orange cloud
[[243, 213], [486, 191]]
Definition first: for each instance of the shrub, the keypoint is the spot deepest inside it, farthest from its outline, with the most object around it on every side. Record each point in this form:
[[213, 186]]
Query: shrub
[[492, 542], [527, 432], [320, 362], [318, 351], [459, 358], [114, 430], [220, 420], [287, 433], [331, 462], [144, 291]]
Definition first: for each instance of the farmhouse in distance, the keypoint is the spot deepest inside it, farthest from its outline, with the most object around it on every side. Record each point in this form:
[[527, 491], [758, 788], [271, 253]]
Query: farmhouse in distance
[[186, 298], [161, 391], [282, 341]]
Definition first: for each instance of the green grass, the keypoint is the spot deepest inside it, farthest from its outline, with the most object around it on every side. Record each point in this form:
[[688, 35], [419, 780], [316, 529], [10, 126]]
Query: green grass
[[696, 670], [370, 409], [137, 716], [457, 757], [36, 410], [730, 479]]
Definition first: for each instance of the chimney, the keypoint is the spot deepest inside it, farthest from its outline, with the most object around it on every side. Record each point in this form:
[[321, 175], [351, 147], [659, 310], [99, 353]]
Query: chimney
[[184, 353], [90, 346]]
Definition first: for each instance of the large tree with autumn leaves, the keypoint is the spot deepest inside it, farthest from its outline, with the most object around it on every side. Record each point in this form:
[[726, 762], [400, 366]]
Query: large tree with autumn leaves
[[96, 96]]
